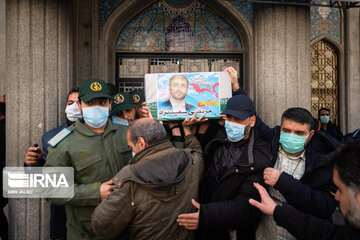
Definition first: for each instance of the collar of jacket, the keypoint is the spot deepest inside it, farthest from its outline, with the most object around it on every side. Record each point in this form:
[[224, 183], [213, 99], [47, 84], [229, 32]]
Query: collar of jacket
[[255, 143], [320, 145], [148, 167], [84, 130], [151, 150]]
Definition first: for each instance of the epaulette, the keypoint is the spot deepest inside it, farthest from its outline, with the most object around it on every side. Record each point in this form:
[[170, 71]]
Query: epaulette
[[60, 136], [120, 121]]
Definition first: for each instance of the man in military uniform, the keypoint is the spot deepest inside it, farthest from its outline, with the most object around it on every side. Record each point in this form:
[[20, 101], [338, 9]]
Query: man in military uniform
[[97, 149], [138, 97], [122, 106]]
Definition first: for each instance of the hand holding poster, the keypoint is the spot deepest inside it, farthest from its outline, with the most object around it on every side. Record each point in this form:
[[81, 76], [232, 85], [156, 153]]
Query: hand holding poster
[[175, 96]]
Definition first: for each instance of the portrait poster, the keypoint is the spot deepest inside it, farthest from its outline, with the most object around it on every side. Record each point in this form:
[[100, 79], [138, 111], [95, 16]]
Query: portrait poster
[[175, 96]]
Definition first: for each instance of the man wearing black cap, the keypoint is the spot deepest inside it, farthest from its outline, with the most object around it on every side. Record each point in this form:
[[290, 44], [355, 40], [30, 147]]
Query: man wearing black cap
[[97, 149], [236, 158]]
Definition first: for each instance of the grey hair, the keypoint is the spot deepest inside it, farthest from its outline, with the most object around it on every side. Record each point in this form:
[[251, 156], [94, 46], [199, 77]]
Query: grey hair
[[353, 213], [149, 129]]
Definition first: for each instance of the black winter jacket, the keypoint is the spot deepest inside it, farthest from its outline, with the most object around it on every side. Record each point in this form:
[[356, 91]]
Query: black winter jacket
[[225, 192], [332, 130], [314, 192], [305, 227]]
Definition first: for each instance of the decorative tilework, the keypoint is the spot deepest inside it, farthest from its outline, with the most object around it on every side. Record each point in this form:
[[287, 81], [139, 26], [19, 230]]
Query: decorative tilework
[[106, 7], [189, 26], [246, 8], [325, 20]]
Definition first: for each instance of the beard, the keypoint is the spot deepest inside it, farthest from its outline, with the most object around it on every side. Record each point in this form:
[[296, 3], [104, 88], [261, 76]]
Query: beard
[[352, 216], [178, 96]]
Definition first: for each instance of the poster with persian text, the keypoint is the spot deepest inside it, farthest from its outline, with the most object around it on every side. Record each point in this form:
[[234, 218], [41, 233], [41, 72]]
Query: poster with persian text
[[175, 96]]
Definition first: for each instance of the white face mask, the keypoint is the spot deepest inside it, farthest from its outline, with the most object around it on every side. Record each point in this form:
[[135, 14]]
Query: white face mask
[[72, 112]]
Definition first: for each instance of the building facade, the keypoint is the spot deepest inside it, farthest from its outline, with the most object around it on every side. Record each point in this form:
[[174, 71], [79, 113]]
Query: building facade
[[286, 56]]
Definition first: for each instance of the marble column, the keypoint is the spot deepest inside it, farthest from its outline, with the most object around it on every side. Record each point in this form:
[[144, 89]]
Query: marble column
[[282, 58], [352, 65], [39, 76], [2, 48]]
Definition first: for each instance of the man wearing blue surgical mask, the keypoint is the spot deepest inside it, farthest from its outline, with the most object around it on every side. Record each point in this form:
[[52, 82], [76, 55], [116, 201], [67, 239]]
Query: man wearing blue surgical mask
[[327, 126], [36, 156], [97, 149], [299, 176], [235, 158]]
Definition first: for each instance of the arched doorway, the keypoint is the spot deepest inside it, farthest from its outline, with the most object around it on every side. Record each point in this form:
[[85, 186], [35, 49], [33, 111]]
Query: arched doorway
[[175, 36], [324, 79]]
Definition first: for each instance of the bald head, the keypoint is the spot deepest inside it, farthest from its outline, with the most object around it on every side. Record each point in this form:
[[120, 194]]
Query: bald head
[[147, 128]]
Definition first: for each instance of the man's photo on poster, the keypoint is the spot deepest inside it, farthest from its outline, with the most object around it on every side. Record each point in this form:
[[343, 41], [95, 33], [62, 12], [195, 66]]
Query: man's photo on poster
[[183, 94]]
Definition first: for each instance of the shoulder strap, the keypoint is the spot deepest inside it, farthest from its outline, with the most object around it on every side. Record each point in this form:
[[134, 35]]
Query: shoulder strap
[[60, 136]]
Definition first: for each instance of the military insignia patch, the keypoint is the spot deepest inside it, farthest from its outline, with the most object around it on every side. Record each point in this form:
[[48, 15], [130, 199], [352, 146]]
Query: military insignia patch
[[96, 87], [59, 137], [120, 121], [119, 98], [136, 98]]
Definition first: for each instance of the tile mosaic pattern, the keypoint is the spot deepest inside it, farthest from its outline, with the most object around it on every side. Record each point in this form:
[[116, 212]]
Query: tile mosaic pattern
[[106, 7], [326, 21], [245, 8], [176, 25]]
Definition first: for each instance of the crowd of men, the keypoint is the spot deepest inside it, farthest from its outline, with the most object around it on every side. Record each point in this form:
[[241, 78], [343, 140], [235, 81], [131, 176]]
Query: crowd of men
[[233, 178]]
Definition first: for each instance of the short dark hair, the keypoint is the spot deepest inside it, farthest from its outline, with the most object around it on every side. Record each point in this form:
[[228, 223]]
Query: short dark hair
[[149, 129], [179, 76], [299, 115], [323, 109], [2, 108], [346, 160], [74, 90]]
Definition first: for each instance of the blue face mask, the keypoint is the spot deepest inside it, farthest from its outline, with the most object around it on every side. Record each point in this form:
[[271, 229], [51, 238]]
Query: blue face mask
[[235, 131], [324, 119], [292, 143], [95, 116], [132, 152]]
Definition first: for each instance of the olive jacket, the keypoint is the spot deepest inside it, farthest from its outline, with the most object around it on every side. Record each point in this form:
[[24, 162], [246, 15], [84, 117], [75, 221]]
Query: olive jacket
[[96, 158], [151, 192]]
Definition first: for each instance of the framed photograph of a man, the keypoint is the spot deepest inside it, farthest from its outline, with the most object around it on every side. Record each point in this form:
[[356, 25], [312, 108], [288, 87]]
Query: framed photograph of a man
[[175, 96]]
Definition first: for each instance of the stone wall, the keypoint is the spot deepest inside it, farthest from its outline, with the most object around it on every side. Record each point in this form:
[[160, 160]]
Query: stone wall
[[2, 48], [282, 60], [40, 74], [352, 65]]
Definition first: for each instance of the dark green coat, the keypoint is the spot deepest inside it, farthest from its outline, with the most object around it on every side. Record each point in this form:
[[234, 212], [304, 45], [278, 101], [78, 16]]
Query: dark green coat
[[96, 158]]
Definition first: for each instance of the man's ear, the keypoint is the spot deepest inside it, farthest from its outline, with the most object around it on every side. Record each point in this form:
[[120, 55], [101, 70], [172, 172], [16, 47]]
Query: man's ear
[[79, 106], [252, 121], [141, 143], [310, 136]]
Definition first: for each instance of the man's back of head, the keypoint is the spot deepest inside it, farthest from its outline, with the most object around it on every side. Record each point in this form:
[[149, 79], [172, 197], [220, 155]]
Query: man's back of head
[[149, 129], [346, 160], [346, 163]]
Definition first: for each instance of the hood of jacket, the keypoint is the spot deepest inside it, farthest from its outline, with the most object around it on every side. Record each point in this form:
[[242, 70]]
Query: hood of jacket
[[159, 166]]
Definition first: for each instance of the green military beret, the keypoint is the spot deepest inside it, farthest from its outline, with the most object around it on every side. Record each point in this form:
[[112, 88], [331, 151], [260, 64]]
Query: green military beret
[[138, 97], [121, 101], [94, 88]]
